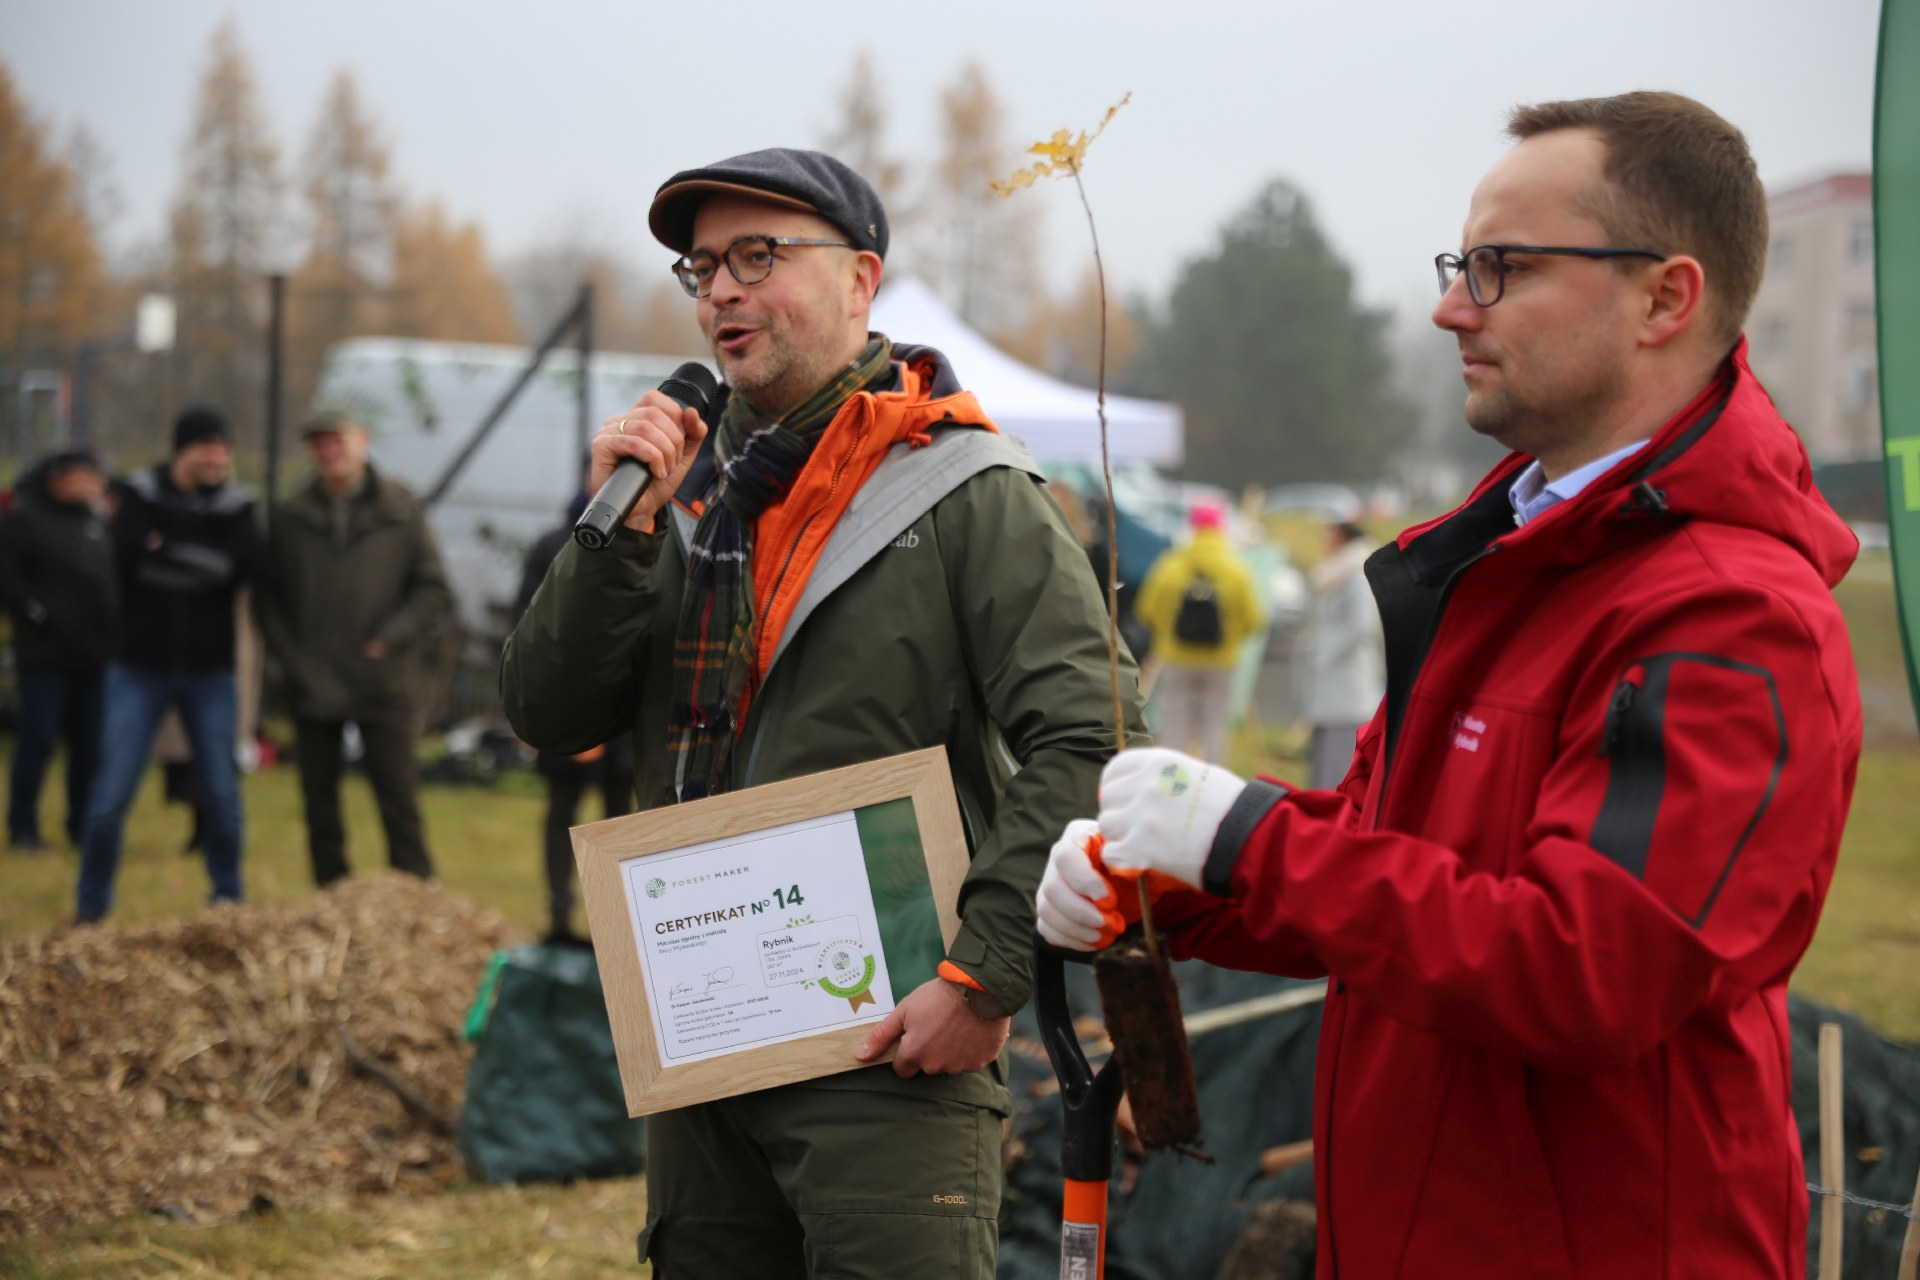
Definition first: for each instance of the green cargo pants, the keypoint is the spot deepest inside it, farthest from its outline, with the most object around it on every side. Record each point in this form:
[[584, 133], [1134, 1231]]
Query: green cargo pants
[[801, 1183]]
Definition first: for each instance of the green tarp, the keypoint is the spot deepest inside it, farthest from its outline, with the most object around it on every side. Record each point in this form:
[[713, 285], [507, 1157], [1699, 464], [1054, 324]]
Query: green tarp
[[544, 1102]]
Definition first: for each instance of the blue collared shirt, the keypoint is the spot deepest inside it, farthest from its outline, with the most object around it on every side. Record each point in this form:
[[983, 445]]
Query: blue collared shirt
[[1531, 494]]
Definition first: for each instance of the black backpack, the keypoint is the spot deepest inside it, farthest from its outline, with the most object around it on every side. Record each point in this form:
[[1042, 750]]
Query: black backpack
[[1198, 622]]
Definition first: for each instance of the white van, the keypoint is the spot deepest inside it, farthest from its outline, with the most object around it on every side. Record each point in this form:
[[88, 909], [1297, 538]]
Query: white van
[[423, 401]]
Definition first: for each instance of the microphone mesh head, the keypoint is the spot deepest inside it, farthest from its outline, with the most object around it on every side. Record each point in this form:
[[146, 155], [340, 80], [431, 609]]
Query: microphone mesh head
[[693, 385]]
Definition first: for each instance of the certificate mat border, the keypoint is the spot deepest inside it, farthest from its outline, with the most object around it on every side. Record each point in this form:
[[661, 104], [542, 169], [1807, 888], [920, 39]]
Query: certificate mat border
[[600, 849]]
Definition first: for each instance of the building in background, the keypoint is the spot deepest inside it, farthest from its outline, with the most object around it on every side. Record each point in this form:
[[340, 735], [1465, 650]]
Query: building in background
[[1812, 325]]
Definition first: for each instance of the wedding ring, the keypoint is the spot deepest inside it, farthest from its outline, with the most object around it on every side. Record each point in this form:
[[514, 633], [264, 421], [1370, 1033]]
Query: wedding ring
[[623, 426]]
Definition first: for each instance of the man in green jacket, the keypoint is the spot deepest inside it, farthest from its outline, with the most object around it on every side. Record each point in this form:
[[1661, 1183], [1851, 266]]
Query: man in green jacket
[[852, 562], [353, 582]]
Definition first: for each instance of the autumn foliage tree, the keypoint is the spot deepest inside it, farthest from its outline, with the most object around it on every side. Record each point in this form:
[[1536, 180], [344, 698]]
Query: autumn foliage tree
[[1062, 337], [444, 286], [223, 231], [980, 253], [50, 270], [352, 215]]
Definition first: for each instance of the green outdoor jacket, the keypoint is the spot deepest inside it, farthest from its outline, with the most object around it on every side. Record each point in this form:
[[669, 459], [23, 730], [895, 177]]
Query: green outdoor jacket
[[332, 585], [951, 607]]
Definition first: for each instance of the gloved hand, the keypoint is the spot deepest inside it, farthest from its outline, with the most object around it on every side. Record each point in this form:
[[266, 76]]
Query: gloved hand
[[1159, 812], [1080, 905], [1076, 906]]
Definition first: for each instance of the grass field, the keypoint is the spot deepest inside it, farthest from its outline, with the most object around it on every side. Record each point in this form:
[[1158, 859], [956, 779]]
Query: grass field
[[582, 1232], [1866, 958], [485, 844]]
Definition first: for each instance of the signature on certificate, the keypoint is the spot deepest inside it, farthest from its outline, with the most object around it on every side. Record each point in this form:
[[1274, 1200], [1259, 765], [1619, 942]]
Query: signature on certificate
[[679, 989], [721, 977]]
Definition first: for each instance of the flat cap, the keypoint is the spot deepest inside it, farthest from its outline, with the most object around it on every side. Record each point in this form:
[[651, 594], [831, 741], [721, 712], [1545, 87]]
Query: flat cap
[[326, 420], [805, 180]]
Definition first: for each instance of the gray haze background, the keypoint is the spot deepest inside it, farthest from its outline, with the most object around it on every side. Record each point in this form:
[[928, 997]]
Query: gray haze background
[[538, 120]]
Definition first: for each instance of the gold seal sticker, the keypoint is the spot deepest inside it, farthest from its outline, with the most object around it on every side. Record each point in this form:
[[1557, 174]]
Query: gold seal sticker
[[845, 968]]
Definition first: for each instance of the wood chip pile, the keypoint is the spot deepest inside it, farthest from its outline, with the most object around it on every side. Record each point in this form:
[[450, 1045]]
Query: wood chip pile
[[201, 1068]]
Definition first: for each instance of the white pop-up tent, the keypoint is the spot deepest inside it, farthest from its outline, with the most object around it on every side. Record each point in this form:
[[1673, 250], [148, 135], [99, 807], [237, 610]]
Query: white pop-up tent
[[1058, 422]]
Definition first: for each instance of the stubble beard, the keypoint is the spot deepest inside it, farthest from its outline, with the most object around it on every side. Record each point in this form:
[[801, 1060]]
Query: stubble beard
[[1575, 402], [778, 378], [761, 379]]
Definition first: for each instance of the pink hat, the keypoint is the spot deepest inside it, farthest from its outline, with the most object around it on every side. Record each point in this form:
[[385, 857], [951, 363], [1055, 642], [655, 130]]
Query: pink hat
[[1205, 515]]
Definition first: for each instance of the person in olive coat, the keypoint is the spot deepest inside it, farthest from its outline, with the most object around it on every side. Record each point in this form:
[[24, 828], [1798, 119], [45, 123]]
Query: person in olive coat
[[353, 583], [56, 579]]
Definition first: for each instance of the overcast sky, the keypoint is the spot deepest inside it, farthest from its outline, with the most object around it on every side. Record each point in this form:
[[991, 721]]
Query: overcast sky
[[532, 119]]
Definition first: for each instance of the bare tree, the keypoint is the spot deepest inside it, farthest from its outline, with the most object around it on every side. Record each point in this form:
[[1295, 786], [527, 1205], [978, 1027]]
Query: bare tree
[[858, 137], [632, 311]]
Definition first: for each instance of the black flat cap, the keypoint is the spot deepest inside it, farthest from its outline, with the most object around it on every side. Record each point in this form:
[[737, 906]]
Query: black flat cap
[[805, 180]]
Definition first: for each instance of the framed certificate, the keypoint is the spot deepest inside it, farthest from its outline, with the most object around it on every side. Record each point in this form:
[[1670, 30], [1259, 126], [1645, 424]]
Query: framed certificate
[[751, 939]]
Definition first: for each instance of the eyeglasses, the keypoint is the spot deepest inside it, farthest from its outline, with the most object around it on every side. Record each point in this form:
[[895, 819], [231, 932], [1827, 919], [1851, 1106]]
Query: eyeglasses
[[750, 259], [1486, 266]]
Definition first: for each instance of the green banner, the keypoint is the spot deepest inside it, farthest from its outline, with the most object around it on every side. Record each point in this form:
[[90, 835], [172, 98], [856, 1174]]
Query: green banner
[[1896, 218]]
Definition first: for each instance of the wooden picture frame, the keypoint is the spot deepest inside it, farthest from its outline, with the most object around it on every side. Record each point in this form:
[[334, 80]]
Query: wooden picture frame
[[606, 854]]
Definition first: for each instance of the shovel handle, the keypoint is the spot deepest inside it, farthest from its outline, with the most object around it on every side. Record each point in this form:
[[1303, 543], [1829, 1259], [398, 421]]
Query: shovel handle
[[1088, 1102]]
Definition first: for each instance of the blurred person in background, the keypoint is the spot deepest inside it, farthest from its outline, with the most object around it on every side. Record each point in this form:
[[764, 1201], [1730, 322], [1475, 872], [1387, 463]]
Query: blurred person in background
[[606, 768], [1342, 667], [174, 752], [185, 538], [352, 584], [57, 580], [1200, 605]]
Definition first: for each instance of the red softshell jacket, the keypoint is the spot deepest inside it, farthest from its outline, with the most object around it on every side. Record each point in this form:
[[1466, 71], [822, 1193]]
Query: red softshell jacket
[[1582, 845]]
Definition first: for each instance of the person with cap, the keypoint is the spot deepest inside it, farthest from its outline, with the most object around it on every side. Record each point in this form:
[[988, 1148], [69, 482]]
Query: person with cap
[[847, 561], [1200, 604], [185, 538], [56, 578], [352, 584]]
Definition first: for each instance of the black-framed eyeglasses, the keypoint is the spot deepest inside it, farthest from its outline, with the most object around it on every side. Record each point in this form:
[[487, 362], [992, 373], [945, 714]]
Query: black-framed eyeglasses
[[750, 259], [1485, 266]]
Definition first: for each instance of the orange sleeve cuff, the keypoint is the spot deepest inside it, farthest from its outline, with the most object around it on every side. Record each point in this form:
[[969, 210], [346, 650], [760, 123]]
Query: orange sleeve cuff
[[954, 973]]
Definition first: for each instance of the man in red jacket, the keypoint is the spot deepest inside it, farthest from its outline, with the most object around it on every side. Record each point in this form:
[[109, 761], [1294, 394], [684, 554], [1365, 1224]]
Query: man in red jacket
[[1587, 835]]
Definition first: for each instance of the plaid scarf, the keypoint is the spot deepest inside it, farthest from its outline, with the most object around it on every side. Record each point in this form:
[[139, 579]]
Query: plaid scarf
[[713, 657]]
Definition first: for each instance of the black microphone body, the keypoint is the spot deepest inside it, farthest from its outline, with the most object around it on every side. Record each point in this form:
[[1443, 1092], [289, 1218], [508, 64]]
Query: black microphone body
[[692, 385]]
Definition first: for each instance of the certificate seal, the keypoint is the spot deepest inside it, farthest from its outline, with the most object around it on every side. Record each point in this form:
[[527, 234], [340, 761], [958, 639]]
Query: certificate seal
[[844, 968]]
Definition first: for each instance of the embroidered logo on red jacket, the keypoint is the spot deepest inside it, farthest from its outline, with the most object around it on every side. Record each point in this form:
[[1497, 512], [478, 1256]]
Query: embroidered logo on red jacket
[[1467, 731]]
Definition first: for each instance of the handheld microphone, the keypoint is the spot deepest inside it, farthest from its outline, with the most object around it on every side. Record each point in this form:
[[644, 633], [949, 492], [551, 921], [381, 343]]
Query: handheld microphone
[[691, 385]]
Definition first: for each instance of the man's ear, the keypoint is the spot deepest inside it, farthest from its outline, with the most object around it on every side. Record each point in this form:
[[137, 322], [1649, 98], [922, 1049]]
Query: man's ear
[[1674, 300], [864, 282]]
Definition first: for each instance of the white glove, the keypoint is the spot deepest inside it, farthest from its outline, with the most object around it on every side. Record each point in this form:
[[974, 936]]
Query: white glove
[[1066, 904], [1160, 809]]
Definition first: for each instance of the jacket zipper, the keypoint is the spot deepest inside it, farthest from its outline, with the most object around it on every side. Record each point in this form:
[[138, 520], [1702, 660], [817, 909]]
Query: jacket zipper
[[1338, 987], [1618, 708], [1420, 661]]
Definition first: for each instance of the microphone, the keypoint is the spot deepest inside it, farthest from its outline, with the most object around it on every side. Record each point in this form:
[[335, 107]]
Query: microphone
[[691, 385]]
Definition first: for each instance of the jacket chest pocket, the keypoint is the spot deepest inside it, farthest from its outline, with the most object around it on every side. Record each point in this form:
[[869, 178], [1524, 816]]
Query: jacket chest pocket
[[1473, 785]]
